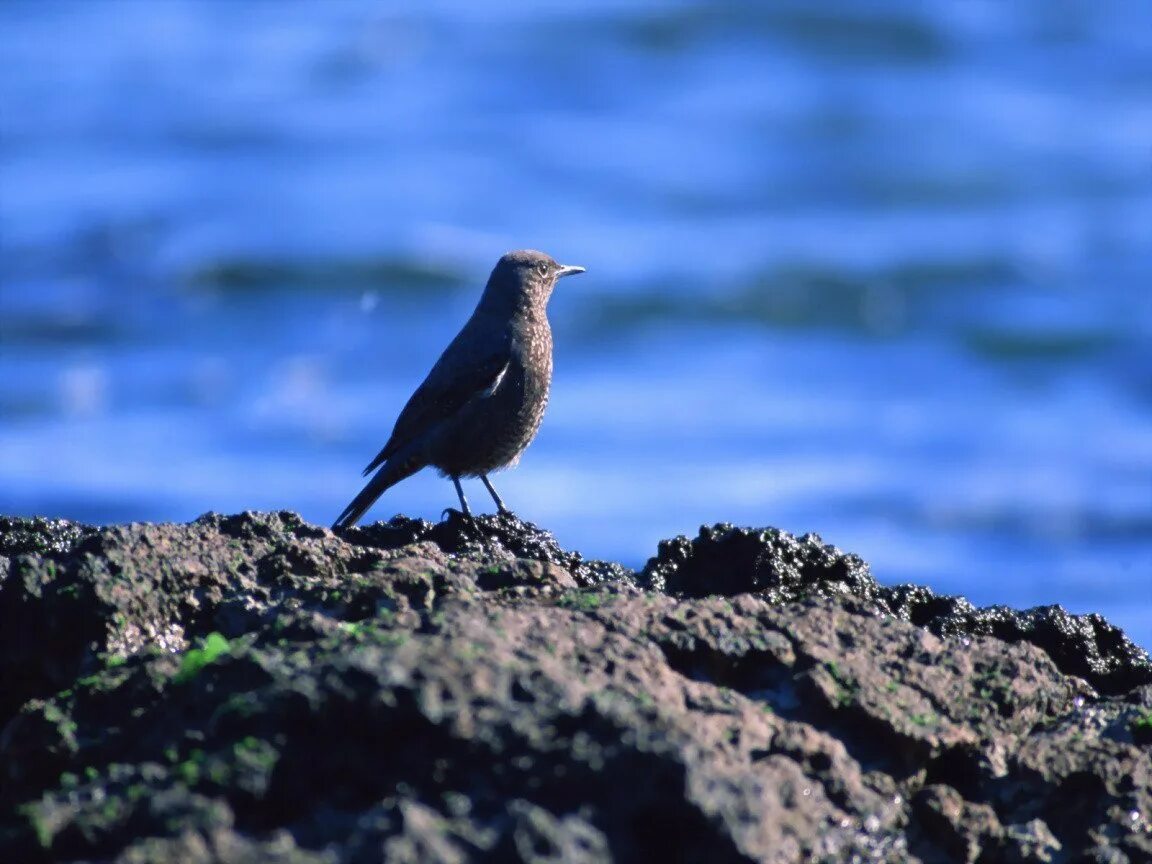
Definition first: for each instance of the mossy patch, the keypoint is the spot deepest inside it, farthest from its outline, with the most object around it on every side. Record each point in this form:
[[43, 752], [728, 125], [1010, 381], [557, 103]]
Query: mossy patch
[[212, 648]]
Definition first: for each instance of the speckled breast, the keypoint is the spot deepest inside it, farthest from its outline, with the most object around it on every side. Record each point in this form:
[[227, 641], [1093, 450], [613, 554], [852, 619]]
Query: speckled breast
[[503, 424]]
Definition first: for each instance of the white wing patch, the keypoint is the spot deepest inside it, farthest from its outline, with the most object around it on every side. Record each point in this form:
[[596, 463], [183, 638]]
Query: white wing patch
[[484, 394]]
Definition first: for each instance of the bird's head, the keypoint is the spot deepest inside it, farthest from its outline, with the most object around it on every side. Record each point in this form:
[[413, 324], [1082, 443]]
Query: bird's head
[[525, 277]]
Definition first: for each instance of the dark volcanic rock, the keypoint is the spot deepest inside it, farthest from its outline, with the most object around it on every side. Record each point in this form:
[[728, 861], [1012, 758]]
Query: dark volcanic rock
[[253, 688], [502, 536], [43, 536], [727, 560]]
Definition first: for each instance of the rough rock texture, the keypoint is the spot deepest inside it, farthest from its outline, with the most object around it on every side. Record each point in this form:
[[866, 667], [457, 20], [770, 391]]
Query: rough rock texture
[[252, 688]]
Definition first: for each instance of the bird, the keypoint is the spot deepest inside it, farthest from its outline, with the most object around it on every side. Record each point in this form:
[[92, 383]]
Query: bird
[[484, 399]]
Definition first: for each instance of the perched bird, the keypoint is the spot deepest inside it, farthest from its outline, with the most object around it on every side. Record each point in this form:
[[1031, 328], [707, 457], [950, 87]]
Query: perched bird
[[483, 401]]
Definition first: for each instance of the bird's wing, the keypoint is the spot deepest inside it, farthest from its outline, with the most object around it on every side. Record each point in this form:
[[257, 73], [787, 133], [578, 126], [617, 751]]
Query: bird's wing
[[459, 376]]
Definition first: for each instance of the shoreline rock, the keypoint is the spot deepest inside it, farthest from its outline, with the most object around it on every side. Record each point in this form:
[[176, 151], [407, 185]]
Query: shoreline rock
[[255, 688]]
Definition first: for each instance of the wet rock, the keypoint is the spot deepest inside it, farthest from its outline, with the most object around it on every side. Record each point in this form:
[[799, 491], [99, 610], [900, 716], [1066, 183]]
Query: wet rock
[[39, 536], [488, 537], [253, 688], [1084, 645], [726, 560]]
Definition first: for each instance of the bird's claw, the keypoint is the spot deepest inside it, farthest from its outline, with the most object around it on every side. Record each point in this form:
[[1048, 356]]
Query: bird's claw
[[448, 512]]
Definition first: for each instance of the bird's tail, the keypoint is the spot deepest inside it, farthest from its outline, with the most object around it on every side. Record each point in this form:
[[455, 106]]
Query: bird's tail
[[390, 473]]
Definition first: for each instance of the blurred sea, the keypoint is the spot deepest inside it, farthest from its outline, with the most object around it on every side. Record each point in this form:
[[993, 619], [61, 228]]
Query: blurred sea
[[879, 271]]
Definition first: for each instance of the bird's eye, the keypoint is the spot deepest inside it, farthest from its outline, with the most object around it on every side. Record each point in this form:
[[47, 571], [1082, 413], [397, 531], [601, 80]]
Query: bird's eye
[[542, 268]]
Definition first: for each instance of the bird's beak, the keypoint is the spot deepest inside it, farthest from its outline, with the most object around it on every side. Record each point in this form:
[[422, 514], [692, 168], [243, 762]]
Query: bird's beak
[[568, 270]]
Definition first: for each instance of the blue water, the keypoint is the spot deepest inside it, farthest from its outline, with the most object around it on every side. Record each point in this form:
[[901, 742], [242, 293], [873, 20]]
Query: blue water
[[878, 271]]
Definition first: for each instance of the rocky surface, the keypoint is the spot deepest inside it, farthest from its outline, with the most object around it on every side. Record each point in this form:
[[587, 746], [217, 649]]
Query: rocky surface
[[253, 688]]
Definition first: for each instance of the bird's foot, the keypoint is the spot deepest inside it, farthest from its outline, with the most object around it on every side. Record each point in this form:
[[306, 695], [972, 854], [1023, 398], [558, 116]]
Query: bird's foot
[[448, 512], [468, 526]]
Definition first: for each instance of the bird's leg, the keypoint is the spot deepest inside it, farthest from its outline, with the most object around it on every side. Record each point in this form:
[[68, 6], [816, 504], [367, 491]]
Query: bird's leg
[[463, 500], [469, 521], [492, 491]]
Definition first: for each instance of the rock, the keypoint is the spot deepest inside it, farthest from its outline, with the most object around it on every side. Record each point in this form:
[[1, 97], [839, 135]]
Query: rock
[[253, 688]]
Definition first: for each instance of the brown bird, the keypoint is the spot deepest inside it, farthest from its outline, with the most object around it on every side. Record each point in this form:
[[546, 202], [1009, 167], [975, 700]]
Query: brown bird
[[483, 401]]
